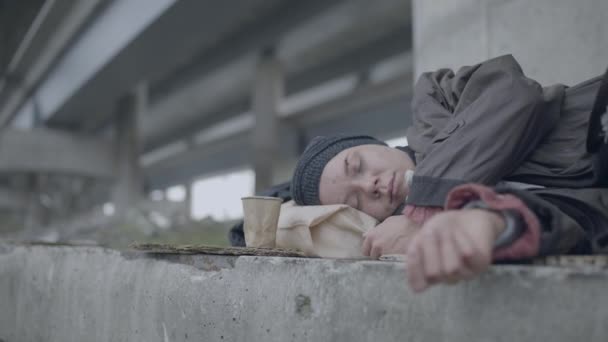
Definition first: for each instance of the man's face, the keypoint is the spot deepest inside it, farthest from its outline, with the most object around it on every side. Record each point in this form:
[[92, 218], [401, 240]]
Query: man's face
[[370, 178]]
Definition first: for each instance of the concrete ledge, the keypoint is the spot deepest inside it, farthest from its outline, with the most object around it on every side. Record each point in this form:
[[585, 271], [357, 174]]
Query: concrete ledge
[[68, 293]]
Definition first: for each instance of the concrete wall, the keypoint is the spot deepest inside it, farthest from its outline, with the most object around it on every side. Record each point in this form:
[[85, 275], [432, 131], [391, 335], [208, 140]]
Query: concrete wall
[[50, 293], [556, 41]]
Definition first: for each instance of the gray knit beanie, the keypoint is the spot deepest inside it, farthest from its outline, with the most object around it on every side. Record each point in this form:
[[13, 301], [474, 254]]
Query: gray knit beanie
[[307, 175]]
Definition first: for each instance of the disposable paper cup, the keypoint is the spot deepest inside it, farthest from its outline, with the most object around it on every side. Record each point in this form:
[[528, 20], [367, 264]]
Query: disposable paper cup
[[261, 216]]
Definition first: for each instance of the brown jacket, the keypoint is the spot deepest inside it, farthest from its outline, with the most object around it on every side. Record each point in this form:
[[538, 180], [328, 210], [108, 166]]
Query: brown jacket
[[490, 123]]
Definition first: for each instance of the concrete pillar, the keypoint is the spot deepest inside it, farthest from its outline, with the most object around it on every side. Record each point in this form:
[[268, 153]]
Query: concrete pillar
[[35, 213], [188, 199], [128, 188], [555, 41], [267, 94]]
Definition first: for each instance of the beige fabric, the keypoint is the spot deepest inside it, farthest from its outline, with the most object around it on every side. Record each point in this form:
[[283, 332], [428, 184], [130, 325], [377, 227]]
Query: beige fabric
[[333, 231]]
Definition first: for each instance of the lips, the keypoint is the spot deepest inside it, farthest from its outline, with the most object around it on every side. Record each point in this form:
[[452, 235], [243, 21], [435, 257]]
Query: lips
[[396, 185], [391, 188]]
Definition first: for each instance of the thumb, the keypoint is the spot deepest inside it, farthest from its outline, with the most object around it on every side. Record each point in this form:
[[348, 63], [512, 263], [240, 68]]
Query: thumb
[[367, 246]]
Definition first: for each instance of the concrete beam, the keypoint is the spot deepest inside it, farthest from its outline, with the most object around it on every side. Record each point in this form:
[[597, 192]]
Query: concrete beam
[[217, 155], [341, 30], [53, 30], [368, 55], [221, 154], [52, 151], [365, 96], [16, 19], [64, 294], [181, 24], [381, 109], [319, 49], [186, 28], [89, 51], [224, 93]]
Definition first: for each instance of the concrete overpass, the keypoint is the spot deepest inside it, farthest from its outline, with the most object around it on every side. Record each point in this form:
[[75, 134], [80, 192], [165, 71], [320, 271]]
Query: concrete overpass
[[144, 97], [175, 89]]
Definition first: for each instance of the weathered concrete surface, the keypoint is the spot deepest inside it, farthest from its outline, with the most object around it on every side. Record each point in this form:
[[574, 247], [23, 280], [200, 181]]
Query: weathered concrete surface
[[94, 294], [556, 41]]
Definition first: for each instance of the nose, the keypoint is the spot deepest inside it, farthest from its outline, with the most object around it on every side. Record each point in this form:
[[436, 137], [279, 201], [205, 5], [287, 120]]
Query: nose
[[368, 185]]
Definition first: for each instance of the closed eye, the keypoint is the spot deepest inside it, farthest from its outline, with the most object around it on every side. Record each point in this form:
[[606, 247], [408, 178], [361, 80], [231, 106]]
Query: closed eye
[[346, 166], [350, 167]]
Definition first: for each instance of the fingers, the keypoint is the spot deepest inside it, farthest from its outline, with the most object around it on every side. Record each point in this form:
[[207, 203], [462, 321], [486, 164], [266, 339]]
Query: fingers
[[371, 246], [465, 246], [431, 257], [390, 237], [442, 254], [367, 244], [451, 260], [415, 269], [376, 252], [477, 258], [456, 256]]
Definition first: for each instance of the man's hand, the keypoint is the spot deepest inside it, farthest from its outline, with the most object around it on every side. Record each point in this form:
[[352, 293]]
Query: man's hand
[[389, 237], [452, 246]]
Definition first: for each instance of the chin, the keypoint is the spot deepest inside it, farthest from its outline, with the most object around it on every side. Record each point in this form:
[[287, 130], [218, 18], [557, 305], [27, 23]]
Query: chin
[[384, 215], [381, 217]]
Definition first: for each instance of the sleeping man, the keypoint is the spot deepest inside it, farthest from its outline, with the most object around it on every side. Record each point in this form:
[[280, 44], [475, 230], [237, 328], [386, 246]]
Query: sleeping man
[[497, 168]]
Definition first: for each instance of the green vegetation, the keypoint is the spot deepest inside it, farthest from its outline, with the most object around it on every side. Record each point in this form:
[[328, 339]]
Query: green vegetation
[[206, 231]]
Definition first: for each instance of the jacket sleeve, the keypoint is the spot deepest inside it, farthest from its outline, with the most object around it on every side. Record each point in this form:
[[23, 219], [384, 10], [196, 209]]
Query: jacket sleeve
[[477, 125], [574, 221], [554, 223], [527, 243]]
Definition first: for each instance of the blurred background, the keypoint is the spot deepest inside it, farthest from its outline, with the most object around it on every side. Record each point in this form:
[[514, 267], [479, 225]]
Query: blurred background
[[147, 120]]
